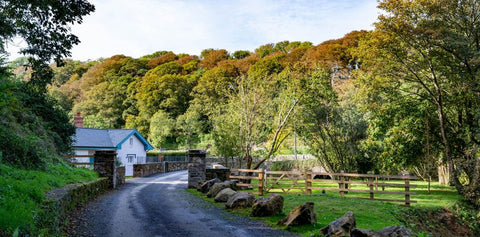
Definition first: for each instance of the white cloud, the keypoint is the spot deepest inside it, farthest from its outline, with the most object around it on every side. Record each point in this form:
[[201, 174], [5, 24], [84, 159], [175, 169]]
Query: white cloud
[[136, 28]]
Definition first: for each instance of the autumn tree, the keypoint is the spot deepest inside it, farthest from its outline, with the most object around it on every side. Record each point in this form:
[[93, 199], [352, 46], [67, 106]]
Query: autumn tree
[[163, 58], [212, 57]]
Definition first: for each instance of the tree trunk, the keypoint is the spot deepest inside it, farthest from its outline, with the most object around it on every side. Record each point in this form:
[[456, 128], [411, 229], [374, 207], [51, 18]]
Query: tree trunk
[[453, 179], [443, 176]]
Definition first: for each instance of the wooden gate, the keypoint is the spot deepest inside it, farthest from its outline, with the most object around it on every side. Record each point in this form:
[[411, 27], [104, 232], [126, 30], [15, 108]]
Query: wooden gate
[[286, 181]]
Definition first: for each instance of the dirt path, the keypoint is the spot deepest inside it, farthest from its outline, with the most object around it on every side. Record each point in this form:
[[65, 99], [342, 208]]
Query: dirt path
[[160, 206]]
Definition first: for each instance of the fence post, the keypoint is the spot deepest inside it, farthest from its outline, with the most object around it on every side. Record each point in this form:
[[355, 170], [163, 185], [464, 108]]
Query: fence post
[[342, 184], [261, 175], [370, 180], [308, 182], [407, 191]]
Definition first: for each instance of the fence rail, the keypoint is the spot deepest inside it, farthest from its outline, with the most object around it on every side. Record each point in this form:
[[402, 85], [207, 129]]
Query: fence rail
[[305, 182], [80, 164], [247, 178]]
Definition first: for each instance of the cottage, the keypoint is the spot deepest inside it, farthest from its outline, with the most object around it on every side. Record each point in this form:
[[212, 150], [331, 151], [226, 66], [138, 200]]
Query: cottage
[[130, 145]]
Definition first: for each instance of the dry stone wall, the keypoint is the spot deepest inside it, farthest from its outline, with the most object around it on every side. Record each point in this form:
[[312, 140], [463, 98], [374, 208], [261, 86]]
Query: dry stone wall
[[196, 167], [141, 170], [120, 175], [58, 202], [105, 166], [175, 166]]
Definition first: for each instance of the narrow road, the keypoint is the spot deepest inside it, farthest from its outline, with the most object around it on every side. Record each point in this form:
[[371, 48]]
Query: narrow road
[[159, 205]]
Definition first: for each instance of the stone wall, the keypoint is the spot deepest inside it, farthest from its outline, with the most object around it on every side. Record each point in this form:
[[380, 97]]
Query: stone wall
[[105, 166], [141, 170], [120, 175], [196, 167], [58, 202], [220, 173], [175, 166]]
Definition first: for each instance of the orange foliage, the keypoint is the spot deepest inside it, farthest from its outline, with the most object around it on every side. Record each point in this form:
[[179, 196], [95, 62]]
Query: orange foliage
[[334, 51], [213, 57], [229, 66], [244, 64], [185, 59], [168, 57], [293, 57]]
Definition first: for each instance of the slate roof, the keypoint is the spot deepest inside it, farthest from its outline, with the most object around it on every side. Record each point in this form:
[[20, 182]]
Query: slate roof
[[105, 138]]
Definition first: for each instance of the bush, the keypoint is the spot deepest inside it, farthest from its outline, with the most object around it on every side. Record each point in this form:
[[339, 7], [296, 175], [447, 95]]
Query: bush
[[288, 165], [32, 130]]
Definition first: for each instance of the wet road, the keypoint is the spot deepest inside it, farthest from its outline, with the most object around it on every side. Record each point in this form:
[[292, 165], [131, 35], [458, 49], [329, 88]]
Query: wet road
[[159, 205]]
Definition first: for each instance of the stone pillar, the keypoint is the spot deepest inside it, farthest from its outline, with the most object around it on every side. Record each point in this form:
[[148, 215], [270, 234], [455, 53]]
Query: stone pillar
[[196, 167], [105, 166]]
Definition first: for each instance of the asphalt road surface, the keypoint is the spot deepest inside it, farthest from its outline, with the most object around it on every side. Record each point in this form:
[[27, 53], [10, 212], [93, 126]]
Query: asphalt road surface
[[159, 205]]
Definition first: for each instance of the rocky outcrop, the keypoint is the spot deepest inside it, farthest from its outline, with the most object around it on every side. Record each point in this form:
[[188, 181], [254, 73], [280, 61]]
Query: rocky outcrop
[[396, 231], [216, 188], [205, 186], [390, 231], [268, 206], [301, 215], [357, 232], [224, 195], [340, 227], [240, 200]]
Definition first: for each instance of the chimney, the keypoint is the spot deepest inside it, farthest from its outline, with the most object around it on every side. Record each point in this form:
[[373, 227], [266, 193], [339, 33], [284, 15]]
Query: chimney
[[78, 121]]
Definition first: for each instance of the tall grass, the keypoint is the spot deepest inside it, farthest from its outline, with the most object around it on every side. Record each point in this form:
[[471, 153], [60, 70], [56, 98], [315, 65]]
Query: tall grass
[[22, 192]]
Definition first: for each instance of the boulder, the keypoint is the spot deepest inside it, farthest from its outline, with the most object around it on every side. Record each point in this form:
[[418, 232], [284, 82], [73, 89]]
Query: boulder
[[205, 186], [340, 227], [268, 206], [396, 231], [240, 200], [224, 195], [301, 215], [216, 188], [357, 232]]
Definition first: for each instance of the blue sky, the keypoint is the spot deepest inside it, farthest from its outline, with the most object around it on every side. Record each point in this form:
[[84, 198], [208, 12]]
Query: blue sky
[[137, 28]]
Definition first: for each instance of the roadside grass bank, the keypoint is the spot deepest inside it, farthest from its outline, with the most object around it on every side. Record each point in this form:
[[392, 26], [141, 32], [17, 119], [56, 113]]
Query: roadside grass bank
[[423, 217], [22, 193]]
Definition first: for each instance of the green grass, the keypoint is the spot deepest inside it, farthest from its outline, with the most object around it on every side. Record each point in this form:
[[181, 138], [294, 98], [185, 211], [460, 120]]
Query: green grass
[[368, 214], [22, 192], [439, 196]]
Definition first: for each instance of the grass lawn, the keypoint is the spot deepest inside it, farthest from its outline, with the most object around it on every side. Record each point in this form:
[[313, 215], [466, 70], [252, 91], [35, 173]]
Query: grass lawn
[[368, 214], [22, 192]]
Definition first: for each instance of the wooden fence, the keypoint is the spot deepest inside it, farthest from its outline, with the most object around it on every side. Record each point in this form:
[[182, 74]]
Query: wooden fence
[[248, 177], [80, 164], [306, 182]]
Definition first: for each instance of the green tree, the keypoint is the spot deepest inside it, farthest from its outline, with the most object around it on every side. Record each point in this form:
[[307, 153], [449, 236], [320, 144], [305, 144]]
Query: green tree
[[239, 54], [332, 126], [45, 26], [430, 50], [189, 126], [170, 93], [257, 117], [161, 129], [35, 129], [265, 50]]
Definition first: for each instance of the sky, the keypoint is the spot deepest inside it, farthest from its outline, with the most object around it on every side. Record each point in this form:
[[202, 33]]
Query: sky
[[141, 27]]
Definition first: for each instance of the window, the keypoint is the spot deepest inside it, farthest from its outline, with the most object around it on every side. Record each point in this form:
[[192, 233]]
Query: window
[[130, 158], [131, 141]]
